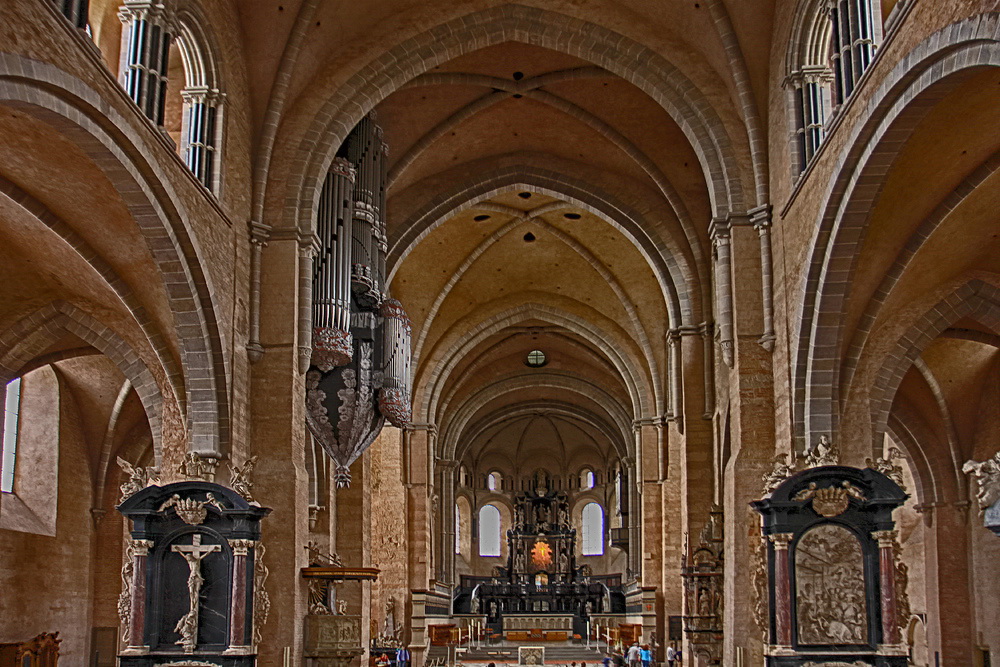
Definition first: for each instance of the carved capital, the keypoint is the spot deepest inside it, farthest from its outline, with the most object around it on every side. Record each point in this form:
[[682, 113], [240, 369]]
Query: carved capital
[[241, 547], [781, 540], [886, 538], [141, 547]]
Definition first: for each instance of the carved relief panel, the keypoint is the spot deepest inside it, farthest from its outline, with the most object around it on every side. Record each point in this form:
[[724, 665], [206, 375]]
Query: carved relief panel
[[830, 587]]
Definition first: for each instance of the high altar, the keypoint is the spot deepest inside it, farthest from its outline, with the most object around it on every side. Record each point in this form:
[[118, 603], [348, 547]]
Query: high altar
[[541, 586]]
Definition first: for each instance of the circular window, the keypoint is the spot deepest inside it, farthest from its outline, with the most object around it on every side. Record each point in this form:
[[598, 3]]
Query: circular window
[[536, 359]]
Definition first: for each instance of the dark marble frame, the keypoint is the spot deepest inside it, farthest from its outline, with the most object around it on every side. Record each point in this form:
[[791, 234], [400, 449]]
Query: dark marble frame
[[782, 514]]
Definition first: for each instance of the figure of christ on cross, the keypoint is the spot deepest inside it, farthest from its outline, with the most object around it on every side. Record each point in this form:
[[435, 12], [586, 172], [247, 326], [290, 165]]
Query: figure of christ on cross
[[187, 627]]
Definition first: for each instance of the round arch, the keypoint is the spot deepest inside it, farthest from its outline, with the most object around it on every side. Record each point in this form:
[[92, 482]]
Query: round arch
[[925, 75], [690, 107], [70, 106]]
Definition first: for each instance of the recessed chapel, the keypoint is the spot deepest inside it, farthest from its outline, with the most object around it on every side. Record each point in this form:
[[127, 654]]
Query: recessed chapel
[[418, 334]]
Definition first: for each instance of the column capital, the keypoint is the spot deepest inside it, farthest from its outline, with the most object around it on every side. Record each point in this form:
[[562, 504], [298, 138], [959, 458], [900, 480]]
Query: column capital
[[142, 547], [760, 216], [781, 540], [886, 538], [242, 547]]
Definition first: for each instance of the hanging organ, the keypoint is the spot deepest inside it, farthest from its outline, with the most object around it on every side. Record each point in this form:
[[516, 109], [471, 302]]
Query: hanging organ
[[359, 373]]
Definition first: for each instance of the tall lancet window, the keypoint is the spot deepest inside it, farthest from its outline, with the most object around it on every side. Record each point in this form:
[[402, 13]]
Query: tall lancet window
[[149, 29], [12, 406], [75, 10], [200, 105], [593, 530], [489, 531], [856, 31]]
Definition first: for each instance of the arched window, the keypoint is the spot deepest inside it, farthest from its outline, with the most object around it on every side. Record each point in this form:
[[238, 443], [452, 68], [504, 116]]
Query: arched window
[[493, 481], [832, 43], [593, 530], [76, 11], [194, 111], [856, 30], [587, 479], [489, 531], [12, 406], [458, 530]]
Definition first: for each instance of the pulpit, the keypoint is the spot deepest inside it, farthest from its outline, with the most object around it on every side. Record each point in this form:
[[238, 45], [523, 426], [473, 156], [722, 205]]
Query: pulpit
[[192, 576], [835, 584]]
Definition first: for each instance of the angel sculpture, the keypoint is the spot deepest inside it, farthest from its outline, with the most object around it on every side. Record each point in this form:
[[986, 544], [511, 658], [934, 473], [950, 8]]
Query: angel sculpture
[[137, 478], [241, 479]]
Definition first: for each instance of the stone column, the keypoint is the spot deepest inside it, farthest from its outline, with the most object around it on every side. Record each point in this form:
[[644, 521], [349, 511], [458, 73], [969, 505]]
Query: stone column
[[146, 36], [719, 232], [238, 609], [277, 421], [887, 584], [782, 590], [446, 519], [137, 616], [948, 582], [418, 447]]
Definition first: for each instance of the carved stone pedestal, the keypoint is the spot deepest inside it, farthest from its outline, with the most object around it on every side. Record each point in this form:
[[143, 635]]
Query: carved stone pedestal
[[332, 640]]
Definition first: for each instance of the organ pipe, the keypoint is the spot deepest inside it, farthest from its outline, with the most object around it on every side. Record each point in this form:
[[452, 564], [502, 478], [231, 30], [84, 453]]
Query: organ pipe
[[360, 372]]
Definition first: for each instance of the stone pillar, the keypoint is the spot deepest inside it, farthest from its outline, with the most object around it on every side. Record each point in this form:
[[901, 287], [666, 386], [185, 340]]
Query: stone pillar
[[238, 608], [782, 590], [418, 448], [137, 614], [948, 581], [277, 416], [747, 437], [719, 232], [146, 36], [446, 519]]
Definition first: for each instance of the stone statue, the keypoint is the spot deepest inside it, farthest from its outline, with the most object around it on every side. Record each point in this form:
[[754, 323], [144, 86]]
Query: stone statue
[[341, 607], [822, 453], [241, 479], [782, 470], [187, 626], [136, 480], [887, 467], [987, 476], [195, 466], [474, 605], [390, 629]]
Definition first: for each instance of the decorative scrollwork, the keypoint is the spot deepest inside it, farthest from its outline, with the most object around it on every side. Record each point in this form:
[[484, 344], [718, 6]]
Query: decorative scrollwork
[[261, 600], [190, 511], [830, 501]]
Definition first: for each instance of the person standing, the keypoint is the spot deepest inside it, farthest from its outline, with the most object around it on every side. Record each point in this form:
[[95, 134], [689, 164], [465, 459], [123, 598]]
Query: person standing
[[403, 657], [634, 655], [646, 655], [671, 656]]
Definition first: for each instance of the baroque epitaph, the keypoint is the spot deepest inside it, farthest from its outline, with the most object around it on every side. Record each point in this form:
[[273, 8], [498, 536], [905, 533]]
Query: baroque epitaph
[[190, 583], [835, 583]]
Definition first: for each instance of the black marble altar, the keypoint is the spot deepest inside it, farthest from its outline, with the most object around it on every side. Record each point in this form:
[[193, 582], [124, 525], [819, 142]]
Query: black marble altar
[[191, 541], [832, 569]]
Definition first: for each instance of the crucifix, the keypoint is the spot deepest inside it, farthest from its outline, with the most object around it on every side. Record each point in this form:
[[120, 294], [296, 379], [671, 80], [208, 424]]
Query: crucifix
[[187, 627]]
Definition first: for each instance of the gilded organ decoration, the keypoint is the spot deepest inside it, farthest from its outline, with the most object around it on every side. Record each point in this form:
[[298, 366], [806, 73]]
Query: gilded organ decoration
[[830, 587]]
